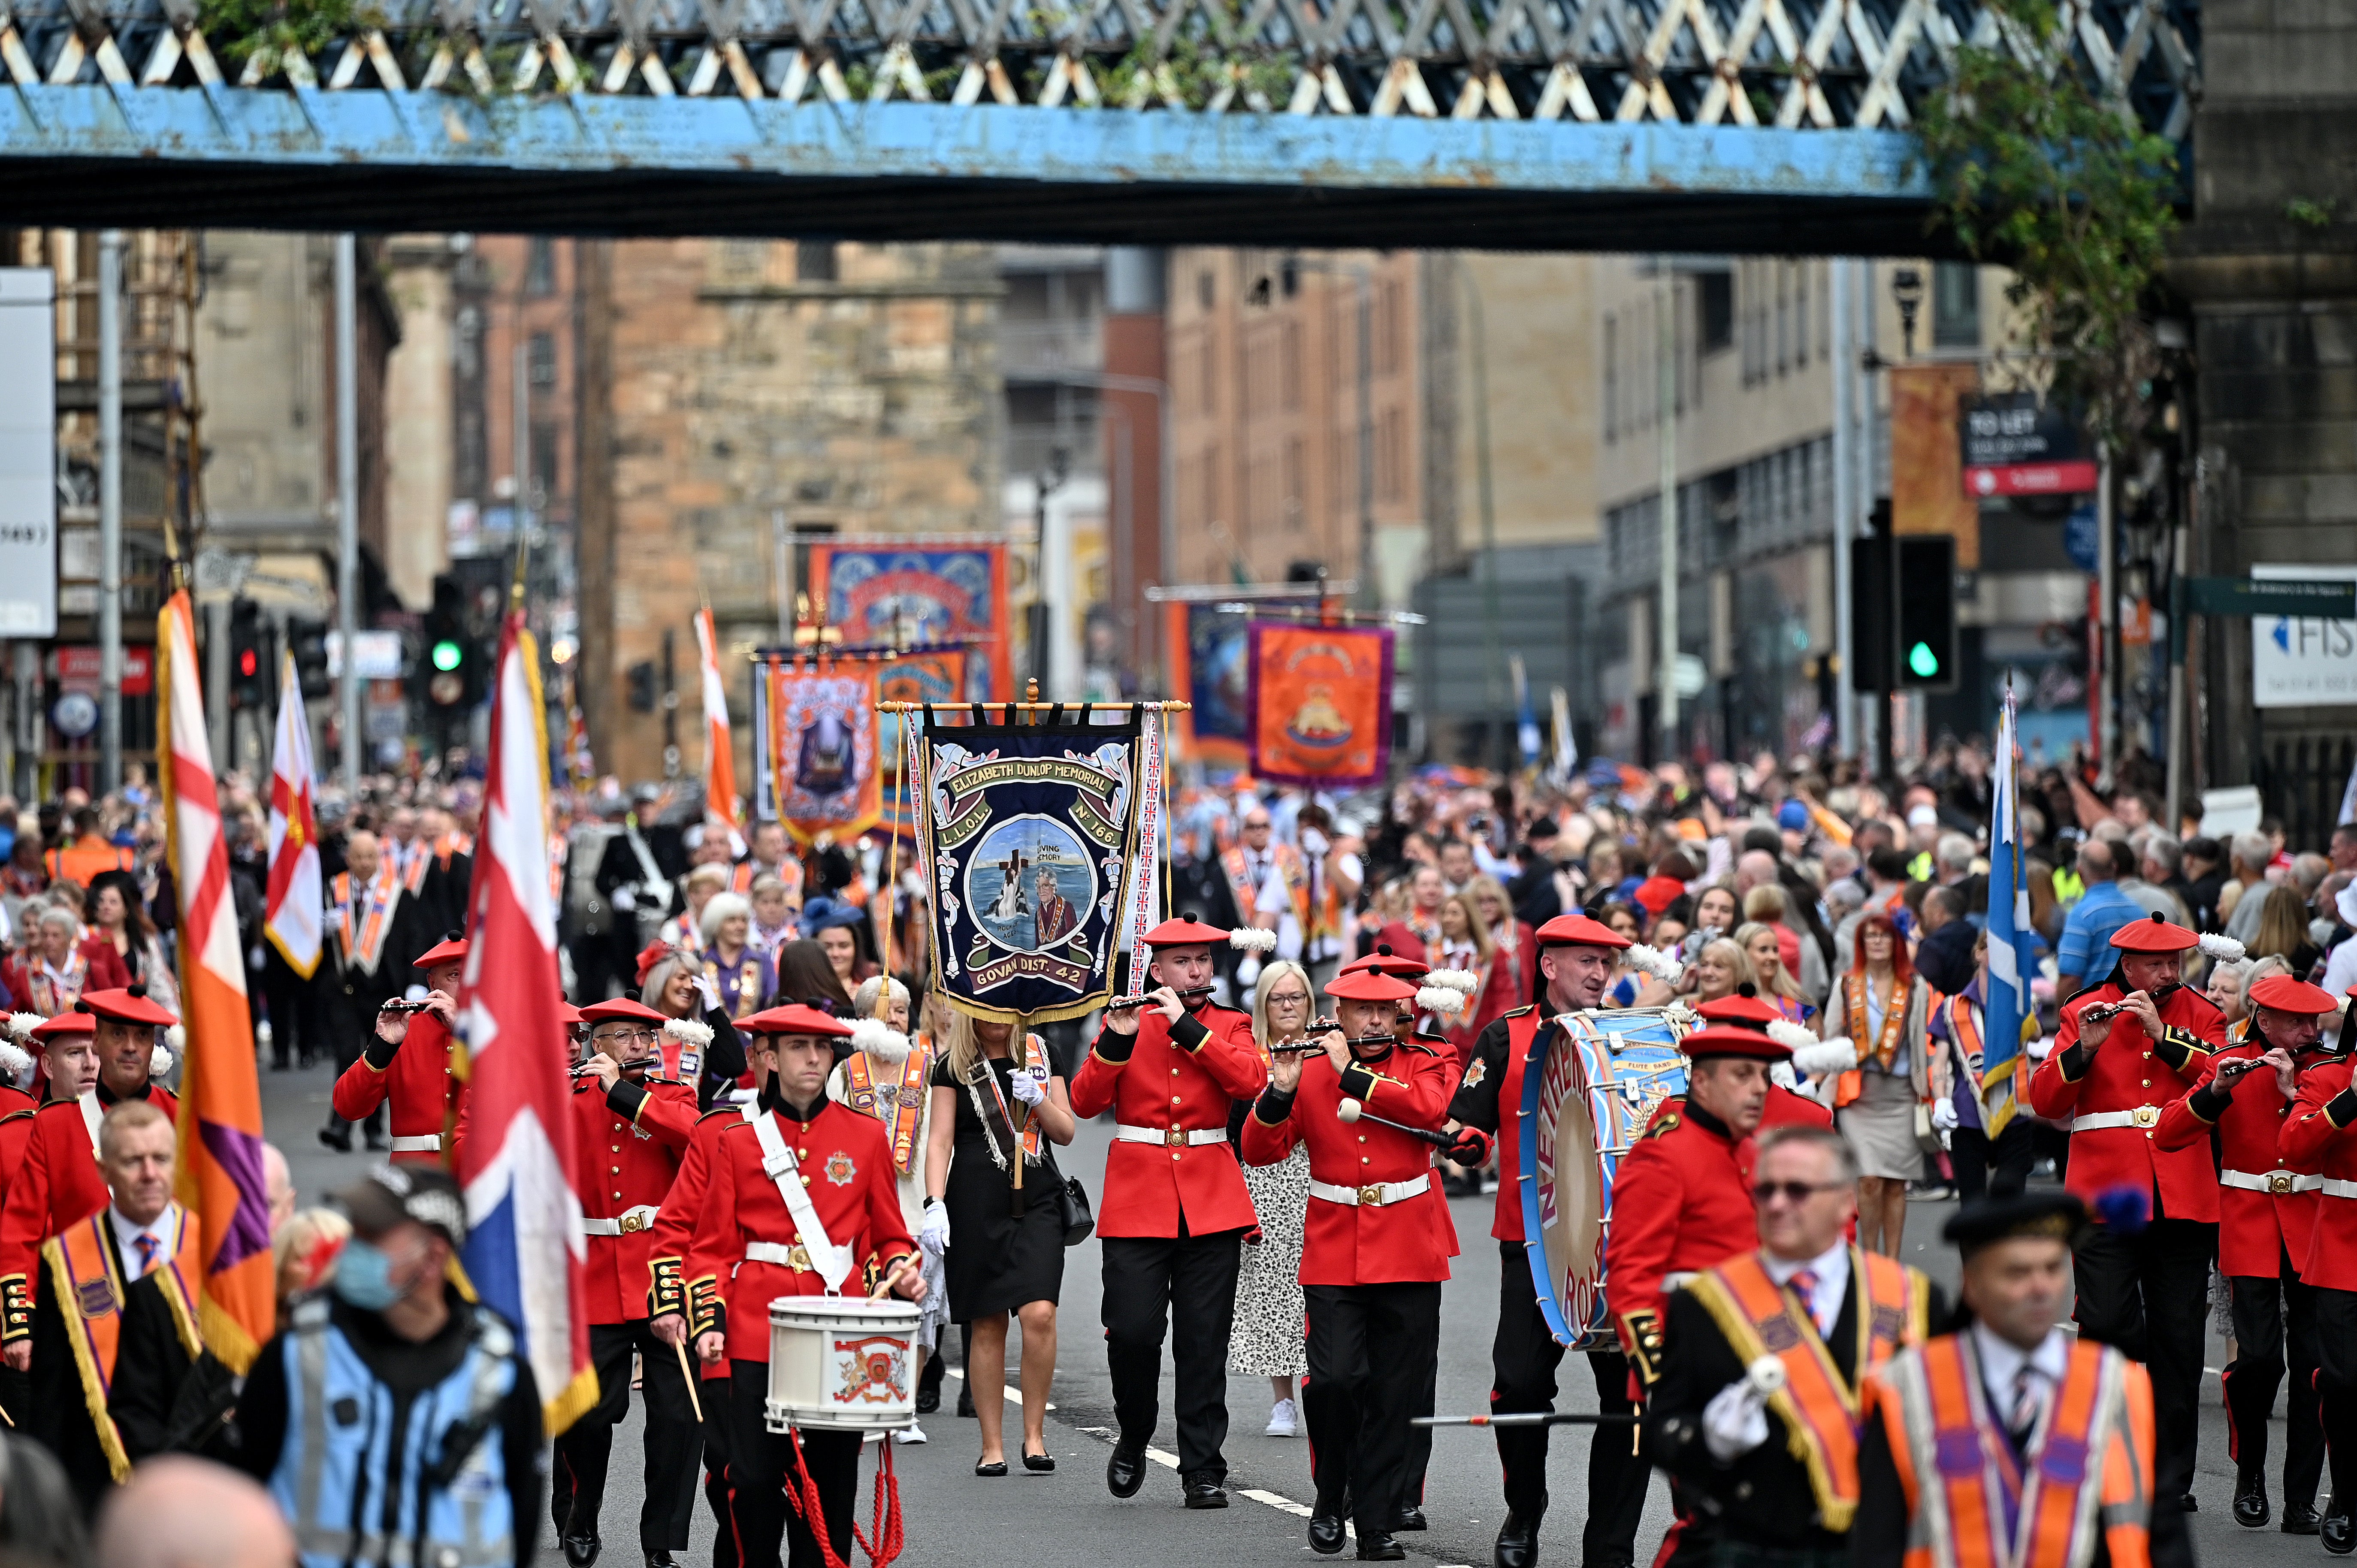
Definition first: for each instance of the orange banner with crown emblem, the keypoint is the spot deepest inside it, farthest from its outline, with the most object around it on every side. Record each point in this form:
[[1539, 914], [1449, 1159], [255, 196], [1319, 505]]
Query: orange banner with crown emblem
[[1321, 703]]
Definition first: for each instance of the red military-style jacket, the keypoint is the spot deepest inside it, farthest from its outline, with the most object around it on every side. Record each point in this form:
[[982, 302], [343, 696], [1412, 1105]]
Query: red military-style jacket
[[2266, 1208], [1490, 1099], [1680, 1203], [674, 1232], [2113, 1103], [2320, 1133], [631, 1139], [57, 1183], [1169, 1087], [1379, 1233], [411, 1080], [846, 1166]]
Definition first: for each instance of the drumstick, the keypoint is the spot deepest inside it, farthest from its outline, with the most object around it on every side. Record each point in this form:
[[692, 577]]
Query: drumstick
[[1352, 1110], [884, 1286], [1529, 1418], [682, 1349]]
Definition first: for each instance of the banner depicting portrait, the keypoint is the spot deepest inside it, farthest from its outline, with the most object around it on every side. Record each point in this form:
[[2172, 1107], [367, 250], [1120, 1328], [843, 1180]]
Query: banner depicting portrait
[[913, 675], [1027, 837], [1321, 703], [815, 746], [1207, 656], [899, 593]]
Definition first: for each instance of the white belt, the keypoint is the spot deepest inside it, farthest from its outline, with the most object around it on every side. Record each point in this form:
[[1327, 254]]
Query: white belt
[[628, 1223], [2270, 1181], [794, 1257], [1374, 1196], [2142, 1116], [418, 1143], [1170, 1137], [2334, 1187]]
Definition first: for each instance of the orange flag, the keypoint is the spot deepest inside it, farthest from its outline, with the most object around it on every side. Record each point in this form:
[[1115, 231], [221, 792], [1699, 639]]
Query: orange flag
[[719, 752], [219, 1175]]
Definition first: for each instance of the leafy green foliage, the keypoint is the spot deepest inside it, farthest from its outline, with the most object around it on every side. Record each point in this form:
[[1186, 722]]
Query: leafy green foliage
[[2039, 170], [2309, 214], [236, 29]]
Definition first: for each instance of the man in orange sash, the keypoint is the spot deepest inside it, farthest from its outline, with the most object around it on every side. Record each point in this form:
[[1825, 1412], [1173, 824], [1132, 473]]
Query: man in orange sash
[[115, 1332], [2011, 1443], [1755, 1416]]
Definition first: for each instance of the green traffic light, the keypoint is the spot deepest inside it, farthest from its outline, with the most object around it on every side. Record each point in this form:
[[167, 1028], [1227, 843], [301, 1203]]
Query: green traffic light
[[1922, 660], [446, 655]]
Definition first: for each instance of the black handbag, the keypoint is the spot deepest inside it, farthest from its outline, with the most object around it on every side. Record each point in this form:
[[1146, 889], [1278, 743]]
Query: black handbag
[[1073, 1207]]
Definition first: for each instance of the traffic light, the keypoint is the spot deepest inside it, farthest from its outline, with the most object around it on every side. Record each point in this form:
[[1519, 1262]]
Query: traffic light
[[1871, 609], [308, 640], [642, 686], [442, 675], [1926, 643], [250, 672]]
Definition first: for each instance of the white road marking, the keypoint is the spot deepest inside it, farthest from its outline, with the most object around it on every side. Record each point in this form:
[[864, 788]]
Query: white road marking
[[1013, 1395], [1267, 1499]]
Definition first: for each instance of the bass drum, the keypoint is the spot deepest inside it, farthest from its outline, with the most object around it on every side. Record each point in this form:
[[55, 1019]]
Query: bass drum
[[1591, 1084]]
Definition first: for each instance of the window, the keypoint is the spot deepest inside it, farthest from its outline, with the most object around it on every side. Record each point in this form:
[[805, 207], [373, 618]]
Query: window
[[1386, 328], [814, 260], [540, 266], [1800, 312], [543, 462], [1289, 371], [1611, 377], [1955, 306], [1783, 316], [1390, 455], [1715, 305], [1207, 289], [1294, 512], [540, 361]]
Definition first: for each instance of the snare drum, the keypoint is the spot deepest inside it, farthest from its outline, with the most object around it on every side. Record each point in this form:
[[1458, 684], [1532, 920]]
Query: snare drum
[[1591, 1084], [842, 1362]]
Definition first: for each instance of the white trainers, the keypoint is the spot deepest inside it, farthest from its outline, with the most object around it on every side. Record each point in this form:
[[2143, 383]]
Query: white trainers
[[1281, 1421], [912, 1432]]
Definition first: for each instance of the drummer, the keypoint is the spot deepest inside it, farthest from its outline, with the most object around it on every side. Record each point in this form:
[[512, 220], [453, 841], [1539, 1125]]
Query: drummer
[[1577, 956]]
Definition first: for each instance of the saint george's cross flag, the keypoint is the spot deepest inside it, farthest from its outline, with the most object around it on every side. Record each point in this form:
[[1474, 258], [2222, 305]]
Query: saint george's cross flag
[[218, 1177], [719, 751], [292, 915], [525, 1250]]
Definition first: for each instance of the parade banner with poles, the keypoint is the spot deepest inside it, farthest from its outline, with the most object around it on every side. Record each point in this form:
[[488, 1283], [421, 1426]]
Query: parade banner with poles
[[814, 740], [1205, 636], [1036, 839], [907, 592], [719, 749], [2011, 958], [217, 1176], [293, 914], [1321, 703], [525, 1253]]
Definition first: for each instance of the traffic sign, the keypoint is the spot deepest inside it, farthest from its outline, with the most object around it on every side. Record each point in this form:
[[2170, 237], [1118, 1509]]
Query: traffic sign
[[2271, 597]]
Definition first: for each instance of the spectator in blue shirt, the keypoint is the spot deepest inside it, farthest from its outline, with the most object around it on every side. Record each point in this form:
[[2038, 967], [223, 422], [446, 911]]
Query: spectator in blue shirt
[[2085, 953]]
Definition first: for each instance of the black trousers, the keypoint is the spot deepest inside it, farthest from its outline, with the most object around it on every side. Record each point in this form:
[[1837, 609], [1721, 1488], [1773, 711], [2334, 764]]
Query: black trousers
[[2273, 1316], [296, 1033], [1371, 1350], [759, 1462], [577, 1479], [1187, 1286], [719, 1441], [350, 1034], [1986, 1168], [2146, 1295], [2336, 1388]]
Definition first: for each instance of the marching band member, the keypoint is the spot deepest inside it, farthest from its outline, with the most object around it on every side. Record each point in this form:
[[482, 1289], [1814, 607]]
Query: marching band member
[[2319, 1134], [634, 1123], [1786, 1105], [2266, 1210], [2127, 1048], [1681, 1201], [2011, 1441], [1771, 1459], [59, 1182], [1175, 1204], [1577, 956], [769, 1229], [1373, 1258], [406, 1067]]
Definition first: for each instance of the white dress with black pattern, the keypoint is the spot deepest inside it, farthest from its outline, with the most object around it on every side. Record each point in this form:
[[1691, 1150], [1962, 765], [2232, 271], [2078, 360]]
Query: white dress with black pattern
[[1267, 1337]]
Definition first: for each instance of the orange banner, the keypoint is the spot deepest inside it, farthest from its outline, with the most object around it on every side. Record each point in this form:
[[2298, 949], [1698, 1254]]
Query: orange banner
[[1321, 703]]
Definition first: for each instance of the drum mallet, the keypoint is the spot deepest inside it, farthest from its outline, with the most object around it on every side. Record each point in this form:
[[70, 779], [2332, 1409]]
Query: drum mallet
[[689, 1373], [1352, 1110], [1528, 1418]]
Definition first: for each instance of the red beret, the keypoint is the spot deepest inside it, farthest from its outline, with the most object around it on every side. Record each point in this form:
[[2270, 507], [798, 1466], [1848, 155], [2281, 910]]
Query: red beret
[[451, 950], [1382, 960], [1738, 1009], [2155, 935], [621, 1010], [795, 1018], [1728, 1041], [74, 1022], [126, 1007], [1658, 893], [1579, 931], [1184, 931], [1369, 986], [567, 1014], [2284, 995]]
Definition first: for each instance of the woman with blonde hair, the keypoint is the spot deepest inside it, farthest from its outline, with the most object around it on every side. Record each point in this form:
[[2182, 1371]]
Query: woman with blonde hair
[[1466, 948], [1517, 946], [305, 1250], [2283, 933], [1268, 1340], [1764, 948], [1716, 972], [992, 1113]]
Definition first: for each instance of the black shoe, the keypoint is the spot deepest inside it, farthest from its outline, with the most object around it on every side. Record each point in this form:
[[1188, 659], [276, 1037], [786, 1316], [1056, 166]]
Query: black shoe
[[2338, 1532], [580, 1550], [662, 1560], [2299, 1520], [1204, 1492], [1126, 1472], [1379, 1548], [928, 1400], [1410, 1518], [2251, 1500], [2185, 1504], [965, 1400], [1326, 1536], [339, 1141], [1040, 1464], [1518, 1543], [996, 1468]]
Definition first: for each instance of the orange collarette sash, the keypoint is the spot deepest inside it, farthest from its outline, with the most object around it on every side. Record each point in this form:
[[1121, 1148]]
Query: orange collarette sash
[[364, 947], [90, 1293], [1819, 1408], [898, 1104]]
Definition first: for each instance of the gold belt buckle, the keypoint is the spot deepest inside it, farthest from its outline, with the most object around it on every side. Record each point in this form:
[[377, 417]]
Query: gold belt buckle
[[1372, 1197], [2147, 1115], [799, 1258], [2279, 1182], [1176, 1138], [631, 1224]]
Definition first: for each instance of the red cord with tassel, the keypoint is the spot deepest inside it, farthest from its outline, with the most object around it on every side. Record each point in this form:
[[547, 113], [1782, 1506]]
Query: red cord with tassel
[[881, 1540]]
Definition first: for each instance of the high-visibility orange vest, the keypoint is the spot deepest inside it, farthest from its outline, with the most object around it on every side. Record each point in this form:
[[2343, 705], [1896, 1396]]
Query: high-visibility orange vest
[[87, 1285], [2090, 1471]]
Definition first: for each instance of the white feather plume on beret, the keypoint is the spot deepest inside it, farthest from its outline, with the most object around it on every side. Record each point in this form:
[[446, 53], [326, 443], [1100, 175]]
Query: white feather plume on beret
[[22, 1024], [688, 1032], [1252, 938], [2219, 947], [881, 1040], [1823, 1057], [1655, 962], [1462, 980], [15, 1064], [1439, 999]]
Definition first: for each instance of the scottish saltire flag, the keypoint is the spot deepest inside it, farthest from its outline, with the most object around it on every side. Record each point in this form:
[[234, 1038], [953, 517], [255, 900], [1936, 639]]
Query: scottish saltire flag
[[2011, 961], [719, 751], [525, 1251], [219, 1174], [292, 914]]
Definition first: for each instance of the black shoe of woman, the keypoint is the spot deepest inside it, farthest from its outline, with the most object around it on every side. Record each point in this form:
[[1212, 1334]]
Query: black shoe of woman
[[993, 1467], [1039, 1464]]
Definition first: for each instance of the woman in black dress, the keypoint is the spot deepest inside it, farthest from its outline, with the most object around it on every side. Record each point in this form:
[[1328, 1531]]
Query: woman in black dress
[[998, 1262]]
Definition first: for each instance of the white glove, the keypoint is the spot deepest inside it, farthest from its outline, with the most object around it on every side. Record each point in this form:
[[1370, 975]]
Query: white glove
[[934, 1235], [624, 899], [1028, 1089], [709, 991], [1734, 1422], [1943, 1115]]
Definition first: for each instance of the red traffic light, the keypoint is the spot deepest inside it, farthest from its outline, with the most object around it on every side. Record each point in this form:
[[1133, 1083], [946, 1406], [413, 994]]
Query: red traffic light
[[248, 662]]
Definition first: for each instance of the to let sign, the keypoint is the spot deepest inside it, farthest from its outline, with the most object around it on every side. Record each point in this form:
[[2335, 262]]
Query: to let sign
[[2014, 447]]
